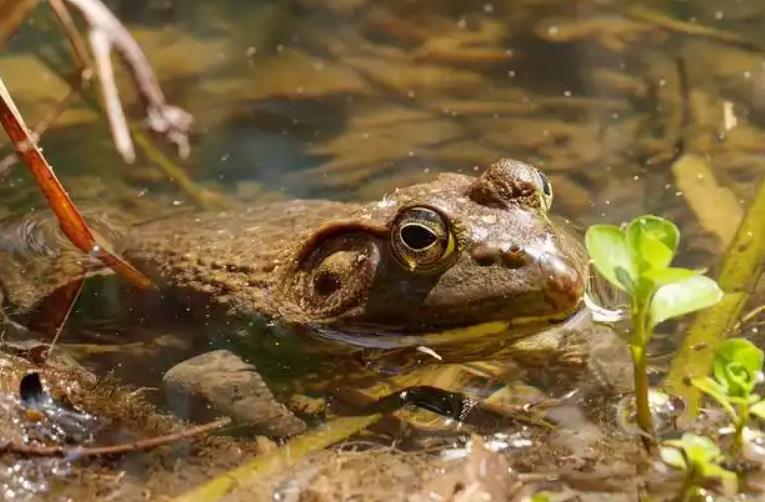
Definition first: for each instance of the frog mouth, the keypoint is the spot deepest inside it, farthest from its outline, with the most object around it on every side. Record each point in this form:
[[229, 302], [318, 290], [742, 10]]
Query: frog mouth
[[370, 337]]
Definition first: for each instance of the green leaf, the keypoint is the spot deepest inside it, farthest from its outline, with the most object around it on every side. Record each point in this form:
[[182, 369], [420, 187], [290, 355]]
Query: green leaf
[[654, 239], [543, 496], [673, 457], [758, 409], [664, 276], [742, 351], [698, 454], [653, 252], [698, 450], [625, 280], [736, 366], [717, 392], [680, 298], [609, 252], [714, 471]]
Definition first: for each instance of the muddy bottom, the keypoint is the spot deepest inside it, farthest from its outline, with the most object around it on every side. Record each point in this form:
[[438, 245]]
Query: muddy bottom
[[72, 408]]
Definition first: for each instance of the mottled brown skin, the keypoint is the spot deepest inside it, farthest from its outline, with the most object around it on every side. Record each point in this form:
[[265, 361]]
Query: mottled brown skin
[[336, 268], [510, 261], [331, 265]]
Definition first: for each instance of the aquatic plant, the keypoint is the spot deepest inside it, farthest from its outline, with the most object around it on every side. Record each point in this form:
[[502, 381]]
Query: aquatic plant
[[699, 458], [636, 259], [737, 367]]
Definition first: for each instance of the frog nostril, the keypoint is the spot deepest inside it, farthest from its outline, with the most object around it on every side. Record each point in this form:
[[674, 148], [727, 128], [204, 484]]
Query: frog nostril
[[485, 255], [514, 257]]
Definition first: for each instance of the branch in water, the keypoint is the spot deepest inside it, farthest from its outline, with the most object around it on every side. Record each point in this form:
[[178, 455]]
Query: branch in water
[[71, 221], [106, 34], [85, 451]]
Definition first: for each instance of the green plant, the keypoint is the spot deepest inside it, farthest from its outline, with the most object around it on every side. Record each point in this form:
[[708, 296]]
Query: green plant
[[636, 259], [699, 458], [737, 367], [543, 496]]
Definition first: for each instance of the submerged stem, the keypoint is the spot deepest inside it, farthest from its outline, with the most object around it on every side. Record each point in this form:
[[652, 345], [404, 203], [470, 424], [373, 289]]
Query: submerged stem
[[641, 389], [738, 437], [688, 489], [638, 348]]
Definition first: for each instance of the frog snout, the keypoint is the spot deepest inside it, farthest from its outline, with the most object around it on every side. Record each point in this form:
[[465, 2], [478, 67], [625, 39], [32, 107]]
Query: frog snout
[[562, 283]]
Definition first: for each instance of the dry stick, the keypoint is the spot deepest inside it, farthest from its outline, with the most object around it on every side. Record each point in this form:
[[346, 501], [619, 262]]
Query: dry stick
[[71, 221], [50, 316], [159, 159], [106, 33], [85, 74], [79, 49], [85, 451]]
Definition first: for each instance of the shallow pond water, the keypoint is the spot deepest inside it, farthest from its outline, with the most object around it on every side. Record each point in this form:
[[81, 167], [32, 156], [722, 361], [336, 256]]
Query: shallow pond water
[[351, 99]]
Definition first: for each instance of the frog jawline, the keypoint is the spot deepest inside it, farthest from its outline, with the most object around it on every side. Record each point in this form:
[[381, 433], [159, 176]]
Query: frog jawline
[[515, 329]]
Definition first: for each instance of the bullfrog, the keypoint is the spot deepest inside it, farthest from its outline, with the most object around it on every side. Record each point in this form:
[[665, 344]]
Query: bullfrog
[[461, 267]]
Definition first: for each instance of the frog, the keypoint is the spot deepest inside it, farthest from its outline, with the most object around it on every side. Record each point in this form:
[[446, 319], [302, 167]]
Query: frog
[[459, 268]]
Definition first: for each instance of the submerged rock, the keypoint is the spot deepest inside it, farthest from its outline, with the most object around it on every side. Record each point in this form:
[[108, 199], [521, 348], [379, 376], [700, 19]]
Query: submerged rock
[[224, 384]]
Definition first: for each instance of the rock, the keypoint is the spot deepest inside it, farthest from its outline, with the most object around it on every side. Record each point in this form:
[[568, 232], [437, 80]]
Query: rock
[[222, 383]]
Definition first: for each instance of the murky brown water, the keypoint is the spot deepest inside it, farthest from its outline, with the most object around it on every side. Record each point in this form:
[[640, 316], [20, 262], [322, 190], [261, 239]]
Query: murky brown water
[[349, 99]]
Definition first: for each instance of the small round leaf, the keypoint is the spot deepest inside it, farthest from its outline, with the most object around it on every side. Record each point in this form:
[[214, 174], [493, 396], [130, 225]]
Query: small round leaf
[[680, 298], [654, 239], [611, 256], [736, 366]]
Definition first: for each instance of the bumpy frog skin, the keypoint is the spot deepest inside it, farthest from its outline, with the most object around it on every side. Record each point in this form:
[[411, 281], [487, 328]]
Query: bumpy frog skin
[[455, 252]]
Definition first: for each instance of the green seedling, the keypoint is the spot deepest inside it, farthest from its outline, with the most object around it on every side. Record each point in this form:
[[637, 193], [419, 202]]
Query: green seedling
[[636, 259], [699, 458], [737, 367]]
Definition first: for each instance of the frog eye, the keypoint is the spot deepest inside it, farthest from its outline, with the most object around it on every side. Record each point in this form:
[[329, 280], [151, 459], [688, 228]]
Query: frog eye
[[547, 192], [421, 239]]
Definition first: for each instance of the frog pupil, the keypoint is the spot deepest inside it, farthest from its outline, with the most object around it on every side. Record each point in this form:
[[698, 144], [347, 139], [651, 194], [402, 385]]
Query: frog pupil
[[416, 237]]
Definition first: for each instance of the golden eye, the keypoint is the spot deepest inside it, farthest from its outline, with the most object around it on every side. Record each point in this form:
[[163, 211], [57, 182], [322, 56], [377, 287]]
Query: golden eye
[[422, 240], [547, 192]]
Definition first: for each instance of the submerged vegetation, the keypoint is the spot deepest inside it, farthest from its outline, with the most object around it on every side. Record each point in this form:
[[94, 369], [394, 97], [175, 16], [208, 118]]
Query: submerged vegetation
[[699, 459], [737, 369], [637, 259]]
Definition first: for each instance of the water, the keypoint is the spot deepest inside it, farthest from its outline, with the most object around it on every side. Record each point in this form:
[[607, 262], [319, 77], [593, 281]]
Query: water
[[351, 99]]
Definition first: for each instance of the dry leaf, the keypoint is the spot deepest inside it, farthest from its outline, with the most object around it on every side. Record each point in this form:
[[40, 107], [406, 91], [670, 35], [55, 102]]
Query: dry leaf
[[715, 206]]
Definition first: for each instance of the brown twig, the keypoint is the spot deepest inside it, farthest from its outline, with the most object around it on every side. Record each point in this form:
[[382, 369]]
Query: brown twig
[[79, 49], [90, 451], [71, 221], [105, 34], [82, 79]]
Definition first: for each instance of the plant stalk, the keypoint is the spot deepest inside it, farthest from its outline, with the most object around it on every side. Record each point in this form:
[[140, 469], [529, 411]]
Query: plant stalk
[[638, 348], [738, 437], [687, 489], [642, 407]]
